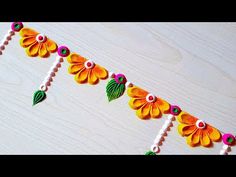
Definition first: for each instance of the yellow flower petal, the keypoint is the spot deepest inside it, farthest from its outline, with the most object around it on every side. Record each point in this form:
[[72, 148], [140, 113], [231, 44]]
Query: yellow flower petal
[[155, 112], [100, 72], [204, 138], [27, 41], [27, 32], [43, 52], [144, 111], [163, 105], [32, 50], [186, 118], [136, 92], [136, 103], [51, 46], [82, 76], [76, 59], [213, 133], [92, 78], [186, 130], [73, 69], [194, 138]]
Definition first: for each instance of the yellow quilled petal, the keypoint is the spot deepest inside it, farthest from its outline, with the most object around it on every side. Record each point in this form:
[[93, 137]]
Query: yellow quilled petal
[[144, 111], [100, 72], [27, 41], [194, 138], [186, 130], [43, 52], [27, 32], [163, 105], [204, 139], [92, 78], [76, 59], [136, 103], [74, 69], [51, 46], [82, 76], [136, 92], [32, 50], [186, 118], [155, 112], [213, 133]]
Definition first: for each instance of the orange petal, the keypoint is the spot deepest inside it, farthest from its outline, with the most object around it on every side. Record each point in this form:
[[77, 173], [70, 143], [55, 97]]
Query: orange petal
[[51, 45], [27, 32], [100, 72], [73, 69], [155, 111], [144, 111], [43, 52], [92, 78], [194, 138], [136, 103], [186, 118], [137, 92], [186, 130], [75, 59], [82, 76], [163, 105], [213, 133], [27, 41], [204, 138], [32, 50]]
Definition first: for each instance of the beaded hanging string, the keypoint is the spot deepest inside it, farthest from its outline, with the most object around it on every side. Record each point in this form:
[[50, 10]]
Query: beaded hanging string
[[146, 105], [15, 27], [40, 94]]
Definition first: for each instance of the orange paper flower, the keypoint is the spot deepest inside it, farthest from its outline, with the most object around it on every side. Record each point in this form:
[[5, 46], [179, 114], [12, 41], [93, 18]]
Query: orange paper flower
[[146, 104], [197, 131], [36, 43], [85, 71]]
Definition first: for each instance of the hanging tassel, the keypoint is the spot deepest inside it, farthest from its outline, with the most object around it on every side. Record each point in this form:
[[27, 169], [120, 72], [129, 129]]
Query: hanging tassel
[[40, 94]]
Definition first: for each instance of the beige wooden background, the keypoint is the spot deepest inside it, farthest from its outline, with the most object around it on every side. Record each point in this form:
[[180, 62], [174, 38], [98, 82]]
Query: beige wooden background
[[189, 64]]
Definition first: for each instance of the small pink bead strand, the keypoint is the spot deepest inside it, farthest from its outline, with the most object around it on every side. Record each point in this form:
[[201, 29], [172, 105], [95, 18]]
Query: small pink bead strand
[[62, 51], [15, 27], [174, 111]]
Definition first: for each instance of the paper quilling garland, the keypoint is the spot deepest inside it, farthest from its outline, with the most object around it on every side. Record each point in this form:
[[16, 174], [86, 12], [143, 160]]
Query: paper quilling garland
[[146, 105]]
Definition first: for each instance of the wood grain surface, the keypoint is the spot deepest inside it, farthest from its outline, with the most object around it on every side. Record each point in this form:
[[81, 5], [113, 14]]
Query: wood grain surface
[[192, 65]]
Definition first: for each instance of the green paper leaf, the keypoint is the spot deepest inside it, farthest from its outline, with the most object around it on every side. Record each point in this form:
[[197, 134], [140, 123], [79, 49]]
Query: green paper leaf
[[38, 97], [114, 90], [150, 153]]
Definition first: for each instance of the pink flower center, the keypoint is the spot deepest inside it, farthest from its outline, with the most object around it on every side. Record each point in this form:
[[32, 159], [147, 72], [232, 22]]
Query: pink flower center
[[150, 98], [200, 124], [89, 64]]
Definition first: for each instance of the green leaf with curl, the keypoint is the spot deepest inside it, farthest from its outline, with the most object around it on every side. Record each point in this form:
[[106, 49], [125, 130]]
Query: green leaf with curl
[[38, 97], [114, 90]]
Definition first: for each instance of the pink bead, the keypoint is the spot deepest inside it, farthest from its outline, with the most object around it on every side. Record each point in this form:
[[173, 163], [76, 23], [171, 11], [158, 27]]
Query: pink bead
[[2, 47], [0, 52], [8, 38], [5, 43], [11, 33]]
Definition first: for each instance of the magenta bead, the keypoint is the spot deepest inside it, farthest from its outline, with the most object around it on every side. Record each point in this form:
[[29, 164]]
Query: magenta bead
[[120, 79], [175, 110], [228, 139], [16, 26], [63, 51]]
